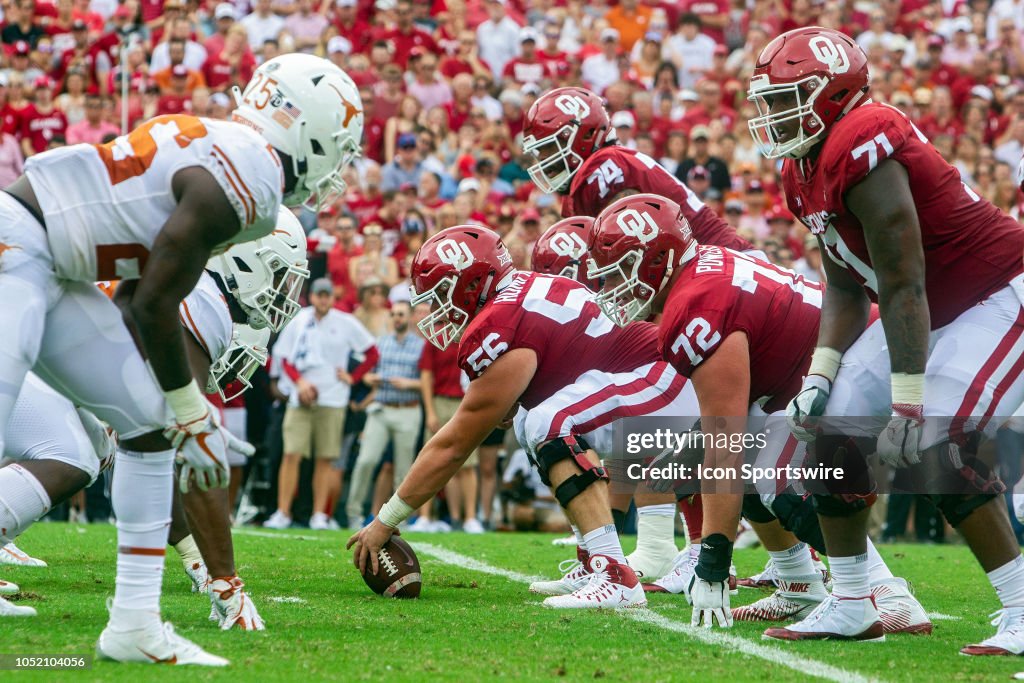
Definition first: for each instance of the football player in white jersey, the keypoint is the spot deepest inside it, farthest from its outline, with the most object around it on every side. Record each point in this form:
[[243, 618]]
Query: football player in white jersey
[[52, 468], [153, 206]]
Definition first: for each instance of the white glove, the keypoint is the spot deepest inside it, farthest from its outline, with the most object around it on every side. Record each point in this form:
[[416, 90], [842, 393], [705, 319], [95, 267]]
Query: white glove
[[899, 442], [103, 438], [803, 411], [710, 601], [237, 445], [204, 459]]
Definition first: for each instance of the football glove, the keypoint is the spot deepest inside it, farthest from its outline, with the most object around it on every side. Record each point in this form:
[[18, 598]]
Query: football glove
[[204, 460], [899, 442], [710, 600], [803, 411]]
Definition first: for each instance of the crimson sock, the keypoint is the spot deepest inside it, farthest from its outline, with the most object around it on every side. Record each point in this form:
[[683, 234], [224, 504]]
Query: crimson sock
[[692, 511]]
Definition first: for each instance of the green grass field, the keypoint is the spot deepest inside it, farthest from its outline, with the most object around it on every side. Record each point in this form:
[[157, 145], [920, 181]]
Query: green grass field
[[475, 619]]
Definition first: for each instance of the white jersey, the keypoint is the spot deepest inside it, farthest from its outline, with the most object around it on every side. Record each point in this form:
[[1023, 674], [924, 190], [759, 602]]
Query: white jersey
[[105, 204], [206, 316]]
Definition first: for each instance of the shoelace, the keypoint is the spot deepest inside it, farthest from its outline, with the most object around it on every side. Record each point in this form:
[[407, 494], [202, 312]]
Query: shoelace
[[1003, 621], [597, 587], [823, 610], [572, 569]]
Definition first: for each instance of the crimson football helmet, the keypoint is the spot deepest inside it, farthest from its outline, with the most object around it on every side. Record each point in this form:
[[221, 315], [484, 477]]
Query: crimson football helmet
[[456, 271], [824, 71], [561, 130], [637, 243], [562, 249]]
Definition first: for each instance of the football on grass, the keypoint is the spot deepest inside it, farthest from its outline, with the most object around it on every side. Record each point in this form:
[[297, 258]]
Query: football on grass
[[399, 572]]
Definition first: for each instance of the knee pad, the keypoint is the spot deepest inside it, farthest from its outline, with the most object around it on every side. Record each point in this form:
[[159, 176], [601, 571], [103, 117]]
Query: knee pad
[[957, 508], [843, 505], [565, 448], [755, 510], [797, 515]]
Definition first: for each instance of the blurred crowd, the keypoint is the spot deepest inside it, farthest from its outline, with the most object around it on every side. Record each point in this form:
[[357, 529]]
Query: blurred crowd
[[445, 84]]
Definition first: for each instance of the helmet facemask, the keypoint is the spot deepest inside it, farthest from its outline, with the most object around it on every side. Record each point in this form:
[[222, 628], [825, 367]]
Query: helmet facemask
[[446, 321], [631, 298], [246, 353], [330, 187], [763, 127], [274, 303], [556, 160], [572, 270]]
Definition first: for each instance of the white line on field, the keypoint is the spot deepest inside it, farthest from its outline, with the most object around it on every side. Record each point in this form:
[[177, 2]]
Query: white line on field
[[778, 656], [286, 599], [939, 616], [270, 534]]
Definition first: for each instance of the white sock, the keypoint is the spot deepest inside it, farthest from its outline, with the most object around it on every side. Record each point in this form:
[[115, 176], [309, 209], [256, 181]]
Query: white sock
[[655, 527], [23, 500], [188, 551], [141, 497], [579, 537], [604, 540], [877, 569], [792, 562], [850, 576], [1008, 581]]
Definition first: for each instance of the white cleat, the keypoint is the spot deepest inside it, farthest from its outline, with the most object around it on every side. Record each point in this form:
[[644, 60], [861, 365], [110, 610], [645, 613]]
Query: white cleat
[[233, 607], [836, 619], [826, 575], [1009, 637], [9, 609], [565, 540], [11, 554], [677, 580], [767, 578], [473, 526], [278, 520], [422, 525], [154, 643], [575, 575], [612, 585], [8, 588], [898, 609], [318, 522], [795, 598], [653, 563], [746, 537], [199, 576]]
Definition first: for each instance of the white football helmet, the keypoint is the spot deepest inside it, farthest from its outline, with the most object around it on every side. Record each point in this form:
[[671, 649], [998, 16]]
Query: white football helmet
[[265, 276], [309, 109], [245, 354]]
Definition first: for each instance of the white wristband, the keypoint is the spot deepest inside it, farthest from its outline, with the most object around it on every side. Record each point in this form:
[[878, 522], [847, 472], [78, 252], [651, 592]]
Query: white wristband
[[187, 403], [825, 362], [907, 389], [394, 512]]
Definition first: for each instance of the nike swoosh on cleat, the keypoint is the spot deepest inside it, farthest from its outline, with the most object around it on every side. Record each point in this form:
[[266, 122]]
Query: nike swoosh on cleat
[[173, 659]]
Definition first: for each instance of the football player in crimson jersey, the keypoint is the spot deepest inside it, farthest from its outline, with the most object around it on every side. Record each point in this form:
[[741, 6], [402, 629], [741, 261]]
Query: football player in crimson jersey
[[540, 342], [742, 330], [568, 132], [941, 367]]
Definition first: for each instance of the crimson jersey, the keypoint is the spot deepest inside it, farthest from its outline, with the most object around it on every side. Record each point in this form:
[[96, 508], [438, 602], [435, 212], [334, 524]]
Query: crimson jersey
[[722, 291], [971, 248], [557, 318], [612, 169]]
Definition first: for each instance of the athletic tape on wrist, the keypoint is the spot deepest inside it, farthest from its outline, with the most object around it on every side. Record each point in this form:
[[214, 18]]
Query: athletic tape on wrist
[[187, 403], [825, 362], [394, 512], [907, 389]]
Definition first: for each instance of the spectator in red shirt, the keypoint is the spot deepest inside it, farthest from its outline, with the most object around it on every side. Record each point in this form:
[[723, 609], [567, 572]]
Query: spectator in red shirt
[[942, 118], [710, 107], [225, 17], [350, 26], [93, 129], [528, 67], [390, 91], [338, 50], [233, 64], [461, 105], [338, 259], [714, 16], [364, 202], [83, 12], [466, 59], [406, 35], [44, 122]]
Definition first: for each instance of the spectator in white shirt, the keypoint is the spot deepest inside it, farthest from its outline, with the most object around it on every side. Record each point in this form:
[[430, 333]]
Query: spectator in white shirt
[[262, 25], [690, 50], [601, 70], [314, 350], [498, 38], [195, 54]]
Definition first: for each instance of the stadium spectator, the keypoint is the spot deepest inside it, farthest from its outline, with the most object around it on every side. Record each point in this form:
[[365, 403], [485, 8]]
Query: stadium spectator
[[373, 309], [466, 59], [395, 415], [700, 156], [12, 160], [690, 50], [428, 87], [262, 25], [405, 168], [350, 26], [809, 265], [305, 26], [631, 20], [602, 69], [529, 503], [93, 128], [406, 36], [232, 64], [497, 38], [178, 48], [527, 67]]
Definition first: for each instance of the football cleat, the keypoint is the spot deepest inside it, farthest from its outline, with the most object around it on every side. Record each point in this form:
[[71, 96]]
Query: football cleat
[[422, 525], [8, 588], [473, 526], [816, 560], [11, 554], [565, 540], [9, 609], [767, 578], [678, 578], [652, 563], [318, 522], [278, 520], [200, 577], [1009, 637], [612, 585], [746, 538], [233, 607], [836, 618], [575, 575], [898, 609], [795, 598], [154, 643]]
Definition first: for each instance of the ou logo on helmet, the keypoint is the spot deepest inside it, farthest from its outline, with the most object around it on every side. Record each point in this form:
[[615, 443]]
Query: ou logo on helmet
[[568, 244], [638, 224], [573, 105], [455, 254], [831, 54]]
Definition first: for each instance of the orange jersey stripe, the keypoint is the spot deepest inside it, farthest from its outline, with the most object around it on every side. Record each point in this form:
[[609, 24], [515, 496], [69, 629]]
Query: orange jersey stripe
[[241, 181], [195, 330], [248, 204]]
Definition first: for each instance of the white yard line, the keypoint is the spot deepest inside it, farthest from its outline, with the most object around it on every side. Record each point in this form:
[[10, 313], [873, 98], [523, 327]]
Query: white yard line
[[939, 616]]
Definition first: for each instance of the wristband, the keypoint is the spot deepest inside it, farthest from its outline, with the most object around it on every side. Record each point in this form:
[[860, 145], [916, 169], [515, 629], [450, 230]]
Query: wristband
[[907, 389], [825, 362], [187, 403], [394, 512]]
